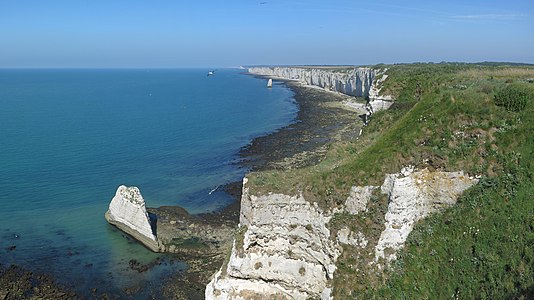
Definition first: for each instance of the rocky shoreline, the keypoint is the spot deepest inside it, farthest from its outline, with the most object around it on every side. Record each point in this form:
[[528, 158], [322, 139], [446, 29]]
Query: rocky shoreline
[[19, 283], [321, 119]]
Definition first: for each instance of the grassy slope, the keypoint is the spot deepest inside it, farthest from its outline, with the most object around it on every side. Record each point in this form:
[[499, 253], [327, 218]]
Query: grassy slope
[[445, 118], [484, 247]]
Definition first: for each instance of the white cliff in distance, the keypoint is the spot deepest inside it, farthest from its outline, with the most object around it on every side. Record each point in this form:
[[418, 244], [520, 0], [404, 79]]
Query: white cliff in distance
[[356, 81], [127, 211]]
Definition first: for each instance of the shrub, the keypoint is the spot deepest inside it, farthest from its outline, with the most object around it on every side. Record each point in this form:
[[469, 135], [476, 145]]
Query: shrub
[[512, 98]]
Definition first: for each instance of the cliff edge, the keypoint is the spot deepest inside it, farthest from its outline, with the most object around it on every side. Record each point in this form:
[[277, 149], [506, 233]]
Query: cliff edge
[[286, 248], [356, 81]]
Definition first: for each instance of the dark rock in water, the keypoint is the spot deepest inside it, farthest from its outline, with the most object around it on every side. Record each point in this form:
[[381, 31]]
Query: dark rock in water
[[11, 248], [195, 235], [72, 253], [132, 290], [315, 118], [137, 266], [17, 283], [88, 265]]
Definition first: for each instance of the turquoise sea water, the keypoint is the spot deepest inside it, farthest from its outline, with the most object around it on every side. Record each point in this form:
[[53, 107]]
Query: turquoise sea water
[[68, 138]]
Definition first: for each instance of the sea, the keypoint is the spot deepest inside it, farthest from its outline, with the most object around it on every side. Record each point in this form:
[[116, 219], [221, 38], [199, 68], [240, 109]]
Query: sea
[[70, 137]]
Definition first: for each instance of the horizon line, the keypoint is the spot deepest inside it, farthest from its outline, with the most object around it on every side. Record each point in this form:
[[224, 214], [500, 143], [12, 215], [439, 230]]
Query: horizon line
[[257, 65]]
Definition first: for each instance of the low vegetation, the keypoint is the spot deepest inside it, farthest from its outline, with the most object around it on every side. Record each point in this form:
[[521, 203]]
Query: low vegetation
[[476, 118]]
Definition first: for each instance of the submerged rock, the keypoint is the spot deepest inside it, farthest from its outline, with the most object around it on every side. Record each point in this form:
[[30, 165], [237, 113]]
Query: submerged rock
[[127, 211]]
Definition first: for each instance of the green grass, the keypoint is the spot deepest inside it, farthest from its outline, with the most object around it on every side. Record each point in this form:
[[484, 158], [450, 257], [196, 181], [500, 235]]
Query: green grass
[[476, 118], [445, 123], [483, 247]]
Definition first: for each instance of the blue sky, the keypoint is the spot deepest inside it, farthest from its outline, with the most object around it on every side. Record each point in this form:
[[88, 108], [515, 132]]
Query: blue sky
[[206, 33]]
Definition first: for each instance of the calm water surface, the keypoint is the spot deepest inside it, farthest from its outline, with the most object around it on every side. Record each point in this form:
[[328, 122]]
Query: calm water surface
[[68, 138]]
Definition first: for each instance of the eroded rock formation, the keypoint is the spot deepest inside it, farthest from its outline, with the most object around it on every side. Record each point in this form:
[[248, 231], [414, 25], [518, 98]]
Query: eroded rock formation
[[127, 211], [358, 198], [286, 251], [358, 82], [413, 196], [171, 228], [354, 82]]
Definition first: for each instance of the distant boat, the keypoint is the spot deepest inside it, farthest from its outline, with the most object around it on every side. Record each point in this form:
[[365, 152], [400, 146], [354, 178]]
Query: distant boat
[[270, 83], [211, 73]]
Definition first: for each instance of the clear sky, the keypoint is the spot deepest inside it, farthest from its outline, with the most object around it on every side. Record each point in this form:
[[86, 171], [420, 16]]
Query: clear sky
[[224, 33]]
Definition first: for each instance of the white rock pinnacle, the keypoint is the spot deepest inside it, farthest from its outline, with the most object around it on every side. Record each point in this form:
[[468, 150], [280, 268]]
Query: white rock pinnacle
[[127, 211]]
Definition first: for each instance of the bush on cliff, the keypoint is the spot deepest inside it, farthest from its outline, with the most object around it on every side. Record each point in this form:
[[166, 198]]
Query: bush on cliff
[[513, 98]]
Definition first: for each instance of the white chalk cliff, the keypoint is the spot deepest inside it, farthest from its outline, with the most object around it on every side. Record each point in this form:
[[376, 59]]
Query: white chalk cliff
[[127, 211], [353, 82], [358, 82], [286, 250], [413, 196]]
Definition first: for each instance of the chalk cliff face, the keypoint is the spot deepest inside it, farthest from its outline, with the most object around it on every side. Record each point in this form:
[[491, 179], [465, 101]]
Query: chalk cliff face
[[358, 82], [354, 82], [286, 249], [127, 211], [413, 196], [377, 101]]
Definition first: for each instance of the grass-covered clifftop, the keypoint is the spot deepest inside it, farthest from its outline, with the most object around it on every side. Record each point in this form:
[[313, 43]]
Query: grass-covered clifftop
[[477, 118]]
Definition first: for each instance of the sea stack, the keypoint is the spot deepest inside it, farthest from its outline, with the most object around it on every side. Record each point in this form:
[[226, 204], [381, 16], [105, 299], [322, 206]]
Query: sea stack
[[270, 83], [127, 211]]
